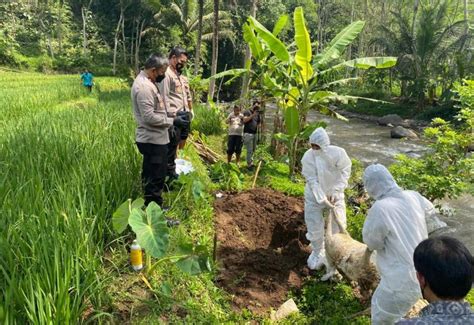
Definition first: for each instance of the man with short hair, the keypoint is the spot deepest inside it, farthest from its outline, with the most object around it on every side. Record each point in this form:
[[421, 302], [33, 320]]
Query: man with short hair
[[177, 95], [152, 126], [251, 122], [445, 272]]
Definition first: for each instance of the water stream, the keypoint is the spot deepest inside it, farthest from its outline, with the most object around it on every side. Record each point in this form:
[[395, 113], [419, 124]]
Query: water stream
[[371, 143]]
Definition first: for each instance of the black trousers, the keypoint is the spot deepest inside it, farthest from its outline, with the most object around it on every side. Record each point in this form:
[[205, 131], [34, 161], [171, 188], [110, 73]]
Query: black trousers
[[153, 171], [175, 137]]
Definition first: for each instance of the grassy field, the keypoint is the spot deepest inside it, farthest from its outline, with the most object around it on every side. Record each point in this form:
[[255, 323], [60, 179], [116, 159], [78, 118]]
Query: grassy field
[[67, 161]]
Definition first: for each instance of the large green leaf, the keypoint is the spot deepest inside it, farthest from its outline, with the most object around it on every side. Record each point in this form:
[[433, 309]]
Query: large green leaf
[[274, 44], [320, 96], [339, 43], [377, 62], [303, 54], [198, 190], [196, 260], [308, 129], [151, 229], [280, 24], [231, 72], [329, 112], [252, 41], [285, 138], [381, 62], [121, 215], [292, 122]]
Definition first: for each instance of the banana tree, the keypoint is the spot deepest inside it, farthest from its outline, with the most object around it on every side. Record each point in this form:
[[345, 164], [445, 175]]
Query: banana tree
[[299, 80]]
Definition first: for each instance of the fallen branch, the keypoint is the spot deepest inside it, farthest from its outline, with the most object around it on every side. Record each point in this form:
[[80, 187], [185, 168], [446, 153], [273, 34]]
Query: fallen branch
[[206, 153]]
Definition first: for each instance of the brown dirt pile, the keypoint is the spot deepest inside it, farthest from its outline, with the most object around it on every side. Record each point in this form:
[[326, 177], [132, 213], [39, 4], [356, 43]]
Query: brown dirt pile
[[262, 249]]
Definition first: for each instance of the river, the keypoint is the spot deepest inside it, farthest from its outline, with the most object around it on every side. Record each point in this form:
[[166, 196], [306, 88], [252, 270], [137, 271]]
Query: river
[[371, 143]]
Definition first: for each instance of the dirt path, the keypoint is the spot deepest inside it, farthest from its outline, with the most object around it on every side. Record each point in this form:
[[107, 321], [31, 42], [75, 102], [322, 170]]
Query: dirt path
[[262, 249]]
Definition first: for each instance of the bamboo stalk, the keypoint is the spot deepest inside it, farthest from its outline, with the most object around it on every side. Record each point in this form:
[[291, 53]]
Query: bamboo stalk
[[256, 173]]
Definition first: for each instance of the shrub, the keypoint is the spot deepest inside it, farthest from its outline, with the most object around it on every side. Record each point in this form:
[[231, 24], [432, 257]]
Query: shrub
[[228, 176], [208, 120], [446, 170]]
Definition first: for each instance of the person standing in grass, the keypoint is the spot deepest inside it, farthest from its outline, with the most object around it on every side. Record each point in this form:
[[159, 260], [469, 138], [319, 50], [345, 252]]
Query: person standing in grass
[[251, 121], [176, 92], [235, 120], [153, 123], [87, 80]]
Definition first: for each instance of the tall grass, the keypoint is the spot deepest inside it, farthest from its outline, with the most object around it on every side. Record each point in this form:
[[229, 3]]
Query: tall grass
[[67, 160], [208, 120]]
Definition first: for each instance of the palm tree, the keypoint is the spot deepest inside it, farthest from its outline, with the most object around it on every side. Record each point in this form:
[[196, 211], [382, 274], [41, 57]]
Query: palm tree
[[183, 14], [197, 56], [215, 44], [425, 42]]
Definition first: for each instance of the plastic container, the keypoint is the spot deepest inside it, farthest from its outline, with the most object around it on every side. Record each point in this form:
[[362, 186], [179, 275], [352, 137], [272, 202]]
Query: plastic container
[[136, 256]]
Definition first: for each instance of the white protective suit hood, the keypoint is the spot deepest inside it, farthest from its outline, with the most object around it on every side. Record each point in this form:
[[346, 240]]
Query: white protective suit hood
[[320, 137], [378, 181], [394, 226]]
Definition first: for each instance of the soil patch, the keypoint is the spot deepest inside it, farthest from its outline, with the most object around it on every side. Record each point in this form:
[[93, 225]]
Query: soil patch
[[262, 249]]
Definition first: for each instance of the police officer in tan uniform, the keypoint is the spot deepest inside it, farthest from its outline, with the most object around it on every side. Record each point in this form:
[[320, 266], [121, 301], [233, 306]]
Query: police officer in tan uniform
[[178, 101], [152, 122]]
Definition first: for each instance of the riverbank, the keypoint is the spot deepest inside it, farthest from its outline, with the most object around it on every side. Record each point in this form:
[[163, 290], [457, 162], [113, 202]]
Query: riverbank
[[415, 124]]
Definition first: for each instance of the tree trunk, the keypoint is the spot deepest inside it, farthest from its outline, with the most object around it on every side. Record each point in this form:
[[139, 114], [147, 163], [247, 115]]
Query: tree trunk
[[466, 17], [320, 28], [50, 45], [419, 82], [215, 44], [349, 49], [197, 56], [248, 57], [84, 34], [116, 36], [361, 50], [132, 42], [124, 46], [60, 28], [138, 43]]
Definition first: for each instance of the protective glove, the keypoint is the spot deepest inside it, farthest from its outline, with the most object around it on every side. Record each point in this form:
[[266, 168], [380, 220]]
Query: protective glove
[[335, 197], [172, 132], [181, 121], [328, 204]]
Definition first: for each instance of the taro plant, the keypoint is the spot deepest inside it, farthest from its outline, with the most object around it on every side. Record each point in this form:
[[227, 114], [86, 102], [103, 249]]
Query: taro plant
[[152, 233], [228, 176], [298, 79]]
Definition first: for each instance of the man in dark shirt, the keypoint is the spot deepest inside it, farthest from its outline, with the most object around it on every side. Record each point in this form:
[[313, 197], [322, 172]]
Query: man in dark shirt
[[445, 271], [251, 122]]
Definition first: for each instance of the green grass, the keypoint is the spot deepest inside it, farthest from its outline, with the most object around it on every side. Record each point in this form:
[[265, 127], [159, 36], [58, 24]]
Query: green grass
[[68, 160], [208, 120]]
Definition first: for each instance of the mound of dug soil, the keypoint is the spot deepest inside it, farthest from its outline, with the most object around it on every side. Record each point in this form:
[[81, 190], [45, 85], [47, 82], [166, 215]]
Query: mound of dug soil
[[262, 249]]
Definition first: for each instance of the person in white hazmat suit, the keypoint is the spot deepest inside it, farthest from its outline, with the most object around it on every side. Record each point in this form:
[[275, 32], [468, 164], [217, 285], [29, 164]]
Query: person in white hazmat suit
[[326, 169], [395, 225]]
